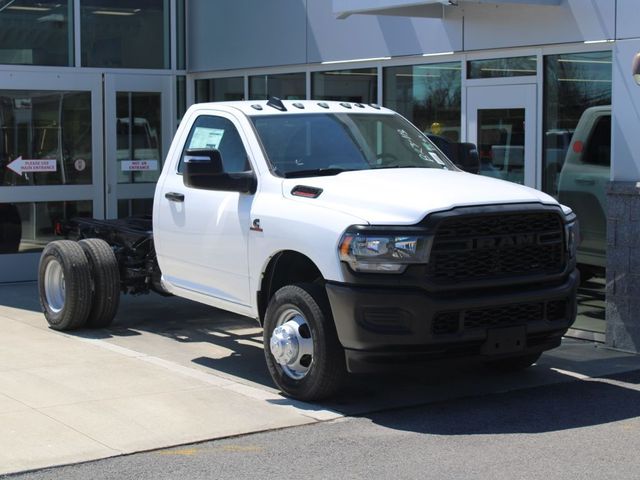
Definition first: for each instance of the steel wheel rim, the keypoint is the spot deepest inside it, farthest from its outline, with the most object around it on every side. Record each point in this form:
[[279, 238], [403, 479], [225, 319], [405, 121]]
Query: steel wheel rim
[[54, 286], [291, 344]]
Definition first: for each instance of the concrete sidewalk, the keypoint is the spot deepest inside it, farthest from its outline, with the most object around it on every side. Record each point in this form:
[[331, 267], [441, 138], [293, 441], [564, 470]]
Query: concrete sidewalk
[[66, 398], [171, 372]]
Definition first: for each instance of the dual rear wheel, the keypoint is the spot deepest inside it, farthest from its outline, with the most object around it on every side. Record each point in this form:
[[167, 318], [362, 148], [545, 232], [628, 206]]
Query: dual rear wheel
[[79, 284]]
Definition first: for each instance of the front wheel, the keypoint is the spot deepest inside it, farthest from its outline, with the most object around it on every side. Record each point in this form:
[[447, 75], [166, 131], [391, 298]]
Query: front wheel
[[301, 345]]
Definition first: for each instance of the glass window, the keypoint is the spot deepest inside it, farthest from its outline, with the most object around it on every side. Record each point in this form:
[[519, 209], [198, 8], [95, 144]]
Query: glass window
[[139, 142], [502, 67], [125, 34], [181, 96], [501, 143], [287, 86], [573, 83], [427, 95], [219, 89], [298, 146], [598, 148], [359, 86], [576, 163], [219, 133], [36, 33], [28, 227], [181, 63], [45, 138], [135, 207]]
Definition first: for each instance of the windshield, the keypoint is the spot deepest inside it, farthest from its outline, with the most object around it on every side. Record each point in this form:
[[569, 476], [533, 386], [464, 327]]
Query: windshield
[[330, 143]]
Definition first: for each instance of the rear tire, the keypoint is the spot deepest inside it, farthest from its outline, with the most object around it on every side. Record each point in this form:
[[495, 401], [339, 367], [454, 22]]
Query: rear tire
[[318, 369], [513, 364], [64, 285], [106, 282]]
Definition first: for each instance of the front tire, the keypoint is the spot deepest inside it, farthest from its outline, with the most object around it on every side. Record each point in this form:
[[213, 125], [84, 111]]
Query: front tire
[[64, 285], [302, 351]]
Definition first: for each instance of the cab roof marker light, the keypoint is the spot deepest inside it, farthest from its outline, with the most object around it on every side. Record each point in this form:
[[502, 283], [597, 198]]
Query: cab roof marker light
[[276, 103], [373, 59]]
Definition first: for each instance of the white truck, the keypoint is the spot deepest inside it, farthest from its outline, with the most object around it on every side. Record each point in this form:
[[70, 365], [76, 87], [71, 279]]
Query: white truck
[[344, 232]]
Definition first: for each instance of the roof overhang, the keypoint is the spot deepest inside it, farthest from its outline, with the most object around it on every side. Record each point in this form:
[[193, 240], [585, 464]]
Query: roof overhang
[[424, 8]]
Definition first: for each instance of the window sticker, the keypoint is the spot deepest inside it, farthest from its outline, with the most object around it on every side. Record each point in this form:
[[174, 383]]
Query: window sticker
[[436, 157], [423, 152], [204, 137]]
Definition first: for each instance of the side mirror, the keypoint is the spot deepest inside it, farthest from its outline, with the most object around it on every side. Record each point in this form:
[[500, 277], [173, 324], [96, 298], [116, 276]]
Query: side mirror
[[203, 169], [467, 157]]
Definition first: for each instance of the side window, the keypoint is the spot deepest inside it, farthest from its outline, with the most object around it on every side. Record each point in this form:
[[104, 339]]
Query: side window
[[217, 132], [598, 150]]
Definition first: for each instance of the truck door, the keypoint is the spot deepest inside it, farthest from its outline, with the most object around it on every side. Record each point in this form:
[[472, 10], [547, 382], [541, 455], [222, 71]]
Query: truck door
[[201, 236]]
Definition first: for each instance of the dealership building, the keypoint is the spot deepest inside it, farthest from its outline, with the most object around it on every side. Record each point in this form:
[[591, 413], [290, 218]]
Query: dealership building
[[91, 92]]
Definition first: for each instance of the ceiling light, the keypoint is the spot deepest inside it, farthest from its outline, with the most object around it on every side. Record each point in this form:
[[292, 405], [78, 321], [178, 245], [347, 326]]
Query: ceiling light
[[118, 13], [356, 60], [29, 9], [436, 54]]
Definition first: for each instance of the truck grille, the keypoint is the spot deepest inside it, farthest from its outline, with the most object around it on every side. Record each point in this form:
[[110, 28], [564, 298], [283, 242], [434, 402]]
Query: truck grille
[[482, 247], [501, 316]]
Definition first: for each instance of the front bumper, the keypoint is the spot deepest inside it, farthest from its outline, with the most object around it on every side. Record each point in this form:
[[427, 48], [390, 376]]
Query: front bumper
[[382, 326]]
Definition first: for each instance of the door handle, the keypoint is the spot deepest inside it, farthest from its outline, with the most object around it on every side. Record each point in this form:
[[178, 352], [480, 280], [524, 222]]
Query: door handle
[[174, 197], [585, 181]]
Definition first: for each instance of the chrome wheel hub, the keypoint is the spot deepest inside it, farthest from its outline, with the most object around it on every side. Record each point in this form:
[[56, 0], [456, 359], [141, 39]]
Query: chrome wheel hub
[[54, 286], [291, 344]]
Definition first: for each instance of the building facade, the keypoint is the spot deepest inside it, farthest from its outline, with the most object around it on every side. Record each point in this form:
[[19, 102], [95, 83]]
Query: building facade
[[92, 90]]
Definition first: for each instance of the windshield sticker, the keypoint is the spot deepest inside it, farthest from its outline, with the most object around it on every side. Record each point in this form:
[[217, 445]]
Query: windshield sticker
[[423, 153], [204, 137], [436, 158]]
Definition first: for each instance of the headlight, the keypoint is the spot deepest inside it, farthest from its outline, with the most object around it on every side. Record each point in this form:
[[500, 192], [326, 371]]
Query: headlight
[[572, 237], [384, 252]]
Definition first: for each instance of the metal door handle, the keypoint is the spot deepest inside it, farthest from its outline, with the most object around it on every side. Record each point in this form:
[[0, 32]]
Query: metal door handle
[[174, 197], [585, 181]]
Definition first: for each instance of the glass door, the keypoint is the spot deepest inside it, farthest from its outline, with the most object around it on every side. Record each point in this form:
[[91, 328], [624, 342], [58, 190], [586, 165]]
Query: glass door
[[50, 162], [501, 121], [138, 131]]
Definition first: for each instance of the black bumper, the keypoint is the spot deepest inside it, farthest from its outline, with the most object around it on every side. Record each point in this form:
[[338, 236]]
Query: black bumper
[[383, 326]]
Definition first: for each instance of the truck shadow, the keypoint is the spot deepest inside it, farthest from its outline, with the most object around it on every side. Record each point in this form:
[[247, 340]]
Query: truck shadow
[[461, 399], [231, 345], [548, 408]]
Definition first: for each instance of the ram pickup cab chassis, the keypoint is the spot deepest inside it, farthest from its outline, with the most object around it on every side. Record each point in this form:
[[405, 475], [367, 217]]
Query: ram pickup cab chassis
[[349, 236]]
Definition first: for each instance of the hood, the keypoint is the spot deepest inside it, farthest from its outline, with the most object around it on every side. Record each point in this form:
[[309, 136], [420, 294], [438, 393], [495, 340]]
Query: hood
[[405, 196]]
